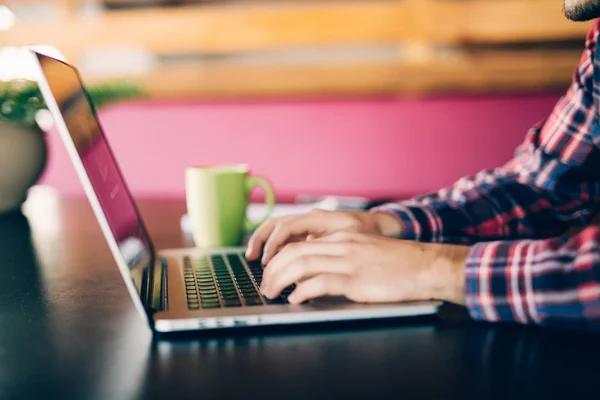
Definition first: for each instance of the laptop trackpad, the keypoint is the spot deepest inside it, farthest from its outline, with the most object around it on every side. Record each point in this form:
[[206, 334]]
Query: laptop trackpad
[[327, 302], [337, 303]]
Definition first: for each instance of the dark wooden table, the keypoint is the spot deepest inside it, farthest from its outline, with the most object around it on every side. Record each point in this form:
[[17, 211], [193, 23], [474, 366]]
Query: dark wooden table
[[69, 331]]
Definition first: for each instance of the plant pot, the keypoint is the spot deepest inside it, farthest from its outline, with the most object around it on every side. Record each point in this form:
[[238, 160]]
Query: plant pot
[[23, 154]]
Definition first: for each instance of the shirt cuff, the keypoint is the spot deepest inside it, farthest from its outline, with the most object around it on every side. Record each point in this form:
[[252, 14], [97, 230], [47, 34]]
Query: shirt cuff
[[498, 281]]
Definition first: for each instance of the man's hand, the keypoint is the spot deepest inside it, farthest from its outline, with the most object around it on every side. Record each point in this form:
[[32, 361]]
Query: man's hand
[[368, 269], [271, 236]]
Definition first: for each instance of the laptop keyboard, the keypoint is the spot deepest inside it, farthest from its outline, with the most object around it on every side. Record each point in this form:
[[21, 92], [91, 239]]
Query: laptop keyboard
[[224, 281]]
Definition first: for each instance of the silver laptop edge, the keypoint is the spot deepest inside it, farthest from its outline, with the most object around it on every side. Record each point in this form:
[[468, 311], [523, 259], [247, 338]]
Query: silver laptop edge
[[61, 126], [162, 303]]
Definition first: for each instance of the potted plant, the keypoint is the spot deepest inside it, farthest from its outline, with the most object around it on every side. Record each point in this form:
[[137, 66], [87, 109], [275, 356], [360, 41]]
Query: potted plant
[[23, 150]]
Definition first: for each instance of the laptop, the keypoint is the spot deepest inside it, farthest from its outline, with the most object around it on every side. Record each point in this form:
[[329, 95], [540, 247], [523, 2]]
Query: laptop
[[175, 289]]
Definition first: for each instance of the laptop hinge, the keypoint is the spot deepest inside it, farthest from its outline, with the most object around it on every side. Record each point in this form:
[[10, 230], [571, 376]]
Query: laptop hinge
[[154, 288], [158, 296]]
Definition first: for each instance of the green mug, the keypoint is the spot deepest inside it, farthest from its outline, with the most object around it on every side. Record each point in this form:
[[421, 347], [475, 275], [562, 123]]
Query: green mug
[[217, 201]]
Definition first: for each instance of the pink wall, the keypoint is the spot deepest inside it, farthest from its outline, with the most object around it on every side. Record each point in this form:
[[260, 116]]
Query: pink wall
[[378, 148]]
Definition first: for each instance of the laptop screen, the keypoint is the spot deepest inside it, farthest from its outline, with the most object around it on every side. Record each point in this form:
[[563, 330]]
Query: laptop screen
[[98, 161]]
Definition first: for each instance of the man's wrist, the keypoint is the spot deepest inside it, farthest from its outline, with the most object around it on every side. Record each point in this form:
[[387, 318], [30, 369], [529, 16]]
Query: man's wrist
[[447, 272]]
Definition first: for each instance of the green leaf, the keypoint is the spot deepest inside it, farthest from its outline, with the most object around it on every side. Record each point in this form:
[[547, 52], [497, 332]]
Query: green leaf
[[20, 100]]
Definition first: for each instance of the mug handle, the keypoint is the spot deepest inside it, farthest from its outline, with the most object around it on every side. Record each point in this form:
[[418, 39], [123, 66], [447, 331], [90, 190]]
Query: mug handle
[[251, 183]]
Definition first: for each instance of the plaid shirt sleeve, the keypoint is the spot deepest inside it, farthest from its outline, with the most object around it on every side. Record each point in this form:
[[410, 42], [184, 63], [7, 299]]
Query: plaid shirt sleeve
[[553, 282], [552, 184]]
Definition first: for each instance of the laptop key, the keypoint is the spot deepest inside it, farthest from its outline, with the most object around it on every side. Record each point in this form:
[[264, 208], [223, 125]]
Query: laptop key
[[232, 303], [229, 295], [254, 301]]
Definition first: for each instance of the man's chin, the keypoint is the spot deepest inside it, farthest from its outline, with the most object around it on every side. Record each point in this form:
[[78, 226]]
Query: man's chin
[[578, 17], [581, 10]]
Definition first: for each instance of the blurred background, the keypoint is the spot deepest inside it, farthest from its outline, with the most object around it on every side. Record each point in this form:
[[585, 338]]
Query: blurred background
[[376, 98]]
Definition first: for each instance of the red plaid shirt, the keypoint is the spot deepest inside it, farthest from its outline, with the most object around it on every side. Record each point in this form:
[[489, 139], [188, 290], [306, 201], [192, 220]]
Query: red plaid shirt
[[519, 268]]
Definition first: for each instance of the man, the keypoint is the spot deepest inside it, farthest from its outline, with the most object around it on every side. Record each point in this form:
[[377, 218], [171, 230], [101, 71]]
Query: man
[[494, 238]]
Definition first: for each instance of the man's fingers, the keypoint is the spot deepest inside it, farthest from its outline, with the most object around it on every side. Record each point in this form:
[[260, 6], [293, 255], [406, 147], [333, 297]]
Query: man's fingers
[[260, 236], [321, 285], [298, 268], [295, 251], [285, 229], [273, 235]]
